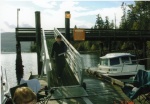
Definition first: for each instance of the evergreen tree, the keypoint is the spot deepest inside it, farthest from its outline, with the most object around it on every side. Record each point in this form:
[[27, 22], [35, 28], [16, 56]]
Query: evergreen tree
[[75, 27], [123, 24], [112, 25], [99, 22], [106, 24]]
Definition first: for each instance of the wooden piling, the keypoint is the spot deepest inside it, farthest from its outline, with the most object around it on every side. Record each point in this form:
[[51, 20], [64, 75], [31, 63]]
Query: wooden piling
[[19, 66], [38, 40], [67, 25]]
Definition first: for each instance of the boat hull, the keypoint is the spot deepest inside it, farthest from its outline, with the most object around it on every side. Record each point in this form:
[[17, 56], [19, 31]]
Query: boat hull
[[122, 75], [118, 75]]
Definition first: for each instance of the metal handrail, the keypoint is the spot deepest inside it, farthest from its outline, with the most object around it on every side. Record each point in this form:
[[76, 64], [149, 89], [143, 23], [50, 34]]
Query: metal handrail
[[45, 58], [4, 78], [74, 58]]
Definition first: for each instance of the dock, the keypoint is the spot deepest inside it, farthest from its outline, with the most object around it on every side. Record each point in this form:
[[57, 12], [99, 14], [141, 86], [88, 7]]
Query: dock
[[98, 90], [77, 85]]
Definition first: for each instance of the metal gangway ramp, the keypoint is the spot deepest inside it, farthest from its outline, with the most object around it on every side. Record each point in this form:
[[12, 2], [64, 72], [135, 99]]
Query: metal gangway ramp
[[71, 84]]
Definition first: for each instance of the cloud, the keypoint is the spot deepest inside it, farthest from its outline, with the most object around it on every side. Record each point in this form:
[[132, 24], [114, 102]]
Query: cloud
[[53, 14], [44, 3], [8, 17], [71, 6], [10, 25], [26, 25], [111, 12]]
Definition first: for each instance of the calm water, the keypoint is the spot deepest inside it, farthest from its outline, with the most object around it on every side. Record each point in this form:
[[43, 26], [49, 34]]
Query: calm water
[[90, 60], [8, 62]]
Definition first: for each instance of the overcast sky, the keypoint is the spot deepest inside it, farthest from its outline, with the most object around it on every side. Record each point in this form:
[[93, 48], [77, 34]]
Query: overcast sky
[[83, 13]]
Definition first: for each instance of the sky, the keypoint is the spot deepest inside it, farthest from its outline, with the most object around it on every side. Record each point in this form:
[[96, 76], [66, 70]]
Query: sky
[[52, 12]]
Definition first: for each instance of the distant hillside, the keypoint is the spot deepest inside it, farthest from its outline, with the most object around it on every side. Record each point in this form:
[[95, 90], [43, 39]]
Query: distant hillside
[[8, 43]]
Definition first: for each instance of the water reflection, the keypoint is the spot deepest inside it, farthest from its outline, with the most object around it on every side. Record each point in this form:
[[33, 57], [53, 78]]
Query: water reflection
[[19, 66], [8, 61], [90, 60]]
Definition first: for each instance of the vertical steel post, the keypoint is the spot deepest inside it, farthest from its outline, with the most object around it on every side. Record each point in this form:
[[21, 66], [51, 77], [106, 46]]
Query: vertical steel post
[[18, 17], [67, 25], [38, 40]]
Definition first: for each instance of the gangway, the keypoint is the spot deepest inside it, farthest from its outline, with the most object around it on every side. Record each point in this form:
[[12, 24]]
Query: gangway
[[74, 60]]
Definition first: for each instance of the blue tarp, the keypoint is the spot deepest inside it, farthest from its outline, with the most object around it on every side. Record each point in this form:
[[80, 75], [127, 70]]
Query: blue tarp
[[142, 77], [142, 82]]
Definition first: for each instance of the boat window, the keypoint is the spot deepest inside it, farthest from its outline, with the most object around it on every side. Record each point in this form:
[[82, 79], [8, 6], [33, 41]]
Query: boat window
[[125, 59], [133, 60], [104, 62], [114, 61]]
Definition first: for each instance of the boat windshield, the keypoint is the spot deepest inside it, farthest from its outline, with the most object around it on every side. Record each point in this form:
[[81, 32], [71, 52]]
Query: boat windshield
[[125, 59], [104, 62], [114, 61]]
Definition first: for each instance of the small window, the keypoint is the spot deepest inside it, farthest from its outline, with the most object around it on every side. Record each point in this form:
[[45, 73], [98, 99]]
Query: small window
[[114, 61], [104, 62], [125, 59]]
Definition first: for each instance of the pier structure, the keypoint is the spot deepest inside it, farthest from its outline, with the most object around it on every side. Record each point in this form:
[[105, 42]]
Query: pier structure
[[76, 86]]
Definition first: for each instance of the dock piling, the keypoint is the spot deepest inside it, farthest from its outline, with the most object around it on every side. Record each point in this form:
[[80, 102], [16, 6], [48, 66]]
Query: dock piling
[[67, 25], [38, 40]]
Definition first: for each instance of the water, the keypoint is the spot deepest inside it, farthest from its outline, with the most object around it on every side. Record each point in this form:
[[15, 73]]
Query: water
[[8, 62], [90, 60]]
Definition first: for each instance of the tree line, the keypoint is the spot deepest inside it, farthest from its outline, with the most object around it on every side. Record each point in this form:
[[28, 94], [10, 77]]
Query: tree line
[[135, 17]]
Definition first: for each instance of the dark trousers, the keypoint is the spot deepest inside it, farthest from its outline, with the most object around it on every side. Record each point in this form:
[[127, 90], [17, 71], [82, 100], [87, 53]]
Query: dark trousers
[[60, 65]]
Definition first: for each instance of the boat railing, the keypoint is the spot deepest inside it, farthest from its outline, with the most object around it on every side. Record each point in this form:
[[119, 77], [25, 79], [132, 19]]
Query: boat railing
[[74, 58], [4, 80], [45, 59], [137, 62]]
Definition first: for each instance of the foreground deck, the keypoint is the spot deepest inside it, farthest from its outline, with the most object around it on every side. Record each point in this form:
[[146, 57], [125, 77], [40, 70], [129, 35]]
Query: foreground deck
[[98, 90]]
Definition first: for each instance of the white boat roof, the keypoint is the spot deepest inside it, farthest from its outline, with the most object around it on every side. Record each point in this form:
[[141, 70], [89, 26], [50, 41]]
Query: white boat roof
[[112, 55]]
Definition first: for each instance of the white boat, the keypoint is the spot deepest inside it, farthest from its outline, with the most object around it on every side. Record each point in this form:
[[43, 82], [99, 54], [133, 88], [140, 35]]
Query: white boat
[[4, 86], [119, 65]]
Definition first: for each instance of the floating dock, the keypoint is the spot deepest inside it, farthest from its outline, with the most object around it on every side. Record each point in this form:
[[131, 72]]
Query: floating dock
[[98, 91]]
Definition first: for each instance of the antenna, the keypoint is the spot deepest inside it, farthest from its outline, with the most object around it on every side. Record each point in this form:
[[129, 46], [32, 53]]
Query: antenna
[[115, 20]]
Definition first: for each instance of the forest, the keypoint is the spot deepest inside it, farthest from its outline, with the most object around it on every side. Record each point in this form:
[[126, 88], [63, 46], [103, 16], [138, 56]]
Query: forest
[[135, 17]]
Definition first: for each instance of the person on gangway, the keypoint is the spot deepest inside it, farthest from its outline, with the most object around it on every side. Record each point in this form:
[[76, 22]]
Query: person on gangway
[[58, 54]]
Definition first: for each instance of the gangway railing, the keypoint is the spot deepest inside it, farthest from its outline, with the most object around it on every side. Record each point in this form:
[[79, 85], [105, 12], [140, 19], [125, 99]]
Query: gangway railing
[[45, 59], [74, 58]]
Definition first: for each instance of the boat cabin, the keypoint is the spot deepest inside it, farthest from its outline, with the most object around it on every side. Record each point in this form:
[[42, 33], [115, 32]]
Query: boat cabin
[[119, 64], [117, 59]]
